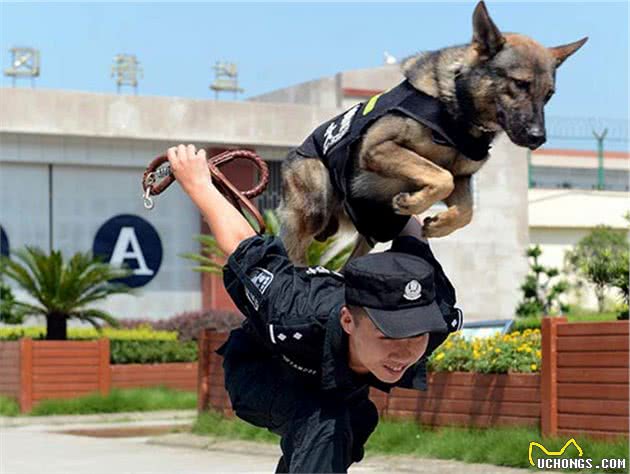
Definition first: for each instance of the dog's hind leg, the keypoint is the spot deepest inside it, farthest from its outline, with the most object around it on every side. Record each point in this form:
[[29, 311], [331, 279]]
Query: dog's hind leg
[[307, 205]]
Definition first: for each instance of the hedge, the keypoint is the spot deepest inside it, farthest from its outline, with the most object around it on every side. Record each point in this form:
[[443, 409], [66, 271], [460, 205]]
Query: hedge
[[151, 352], [141, 345], [142, 333]]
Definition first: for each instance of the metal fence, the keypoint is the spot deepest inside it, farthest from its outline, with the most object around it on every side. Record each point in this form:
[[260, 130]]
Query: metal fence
[[599, 135]]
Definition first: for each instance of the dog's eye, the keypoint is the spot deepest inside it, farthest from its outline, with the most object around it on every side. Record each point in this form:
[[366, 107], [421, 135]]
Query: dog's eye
[[524, 85]]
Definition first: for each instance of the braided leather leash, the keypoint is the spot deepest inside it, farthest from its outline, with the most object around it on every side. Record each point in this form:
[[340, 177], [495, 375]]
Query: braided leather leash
[[158, 176]]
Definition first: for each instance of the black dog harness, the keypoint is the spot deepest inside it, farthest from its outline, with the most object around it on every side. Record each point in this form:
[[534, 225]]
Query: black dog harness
[[334, 141]]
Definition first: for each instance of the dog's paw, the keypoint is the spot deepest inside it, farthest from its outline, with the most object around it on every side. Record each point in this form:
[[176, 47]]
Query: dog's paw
[[437, 226], [410, 204], [401, 203]]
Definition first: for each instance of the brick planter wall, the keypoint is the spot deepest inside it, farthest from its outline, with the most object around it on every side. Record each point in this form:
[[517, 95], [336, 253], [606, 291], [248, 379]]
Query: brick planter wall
[[10, 369], [582, 388], [178, 375], [585, 378], [469, 399], [462, 398], [31, 371]]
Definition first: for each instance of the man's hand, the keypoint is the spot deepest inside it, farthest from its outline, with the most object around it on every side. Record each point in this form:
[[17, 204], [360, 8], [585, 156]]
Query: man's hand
[[226, 223], [190, 169]]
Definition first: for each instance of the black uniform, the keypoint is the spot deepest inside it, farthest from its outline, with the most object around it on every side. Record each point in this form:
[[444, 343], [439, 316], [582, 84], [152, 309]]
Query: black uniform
[[286, 368], [334, 141]]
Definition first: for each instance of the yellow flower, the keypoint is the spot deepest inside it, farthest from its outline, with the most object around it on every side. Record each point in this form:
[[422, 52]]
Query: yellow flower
[[439, 356], [534, 366], [528, 349], [497, 350], [538, 354]]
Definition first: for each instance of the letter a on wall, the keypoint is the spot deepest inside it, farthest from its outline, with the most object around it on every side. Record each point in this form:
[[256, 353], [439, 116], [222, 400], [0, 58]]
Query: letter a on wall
[[131, 240]]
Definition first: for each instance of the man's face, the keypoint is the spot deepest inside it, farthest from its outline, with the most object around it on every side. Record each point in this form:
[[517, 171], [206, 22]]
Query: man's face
[[371, 351]]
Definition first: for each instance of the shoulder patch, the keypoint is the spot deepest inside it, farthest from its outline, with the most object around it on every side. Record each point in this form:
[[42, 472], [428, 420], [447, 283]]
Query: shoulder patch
[[261, 278], [339, 128]]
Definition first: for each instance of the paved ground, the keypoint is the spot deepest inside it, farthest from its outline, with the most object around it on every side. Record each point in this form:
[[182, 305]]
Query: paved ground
[[30, 446]]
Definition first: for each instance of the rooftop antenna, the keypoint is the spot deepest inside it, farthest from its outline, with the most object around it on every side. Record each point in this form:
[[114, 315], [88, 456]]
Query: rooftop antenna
[[24, 63], [126, 69], [225, 78]]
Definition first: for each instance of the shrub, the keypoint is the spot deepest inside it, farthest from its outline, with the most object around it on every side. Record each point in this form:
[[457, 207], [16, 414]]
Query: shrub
[[9, 313], [143, 333], [601, 258], [152, 352], [515, 352], [540, 296], [190, 323]]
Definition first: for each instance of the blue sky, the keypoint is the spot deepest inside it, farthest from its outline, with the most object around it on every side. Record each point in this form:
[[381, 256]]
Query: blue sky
[[279, 44]]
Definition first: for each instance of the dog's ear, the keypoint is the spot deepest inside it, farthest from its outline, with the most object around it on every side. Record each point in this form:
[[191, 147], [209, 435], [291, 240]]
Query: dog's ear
[[563, 52], [487, 39]]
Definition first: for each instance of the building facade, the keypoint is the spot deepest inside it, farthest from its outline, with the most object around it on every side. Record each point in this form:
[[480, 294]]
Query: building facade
[[71, 165]]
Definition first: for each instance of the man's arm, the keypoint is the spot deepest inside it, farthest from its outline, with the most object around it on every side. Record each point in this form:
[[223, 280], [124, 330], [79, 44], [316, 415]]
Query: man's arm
[[226, 223], [413, 229]]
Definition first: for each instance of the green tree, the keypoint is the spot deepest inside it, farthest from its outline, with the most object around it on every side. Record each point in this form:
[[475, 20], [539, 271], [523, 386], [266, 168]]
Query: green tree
[[541, 295], [62, 290], [600, 259], [318, 253], [9, 314]]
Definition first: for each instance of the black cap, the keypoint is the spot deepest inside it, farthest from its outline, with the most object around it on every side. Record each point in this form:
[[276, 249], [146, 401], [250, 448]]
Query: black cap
[[397, 291]]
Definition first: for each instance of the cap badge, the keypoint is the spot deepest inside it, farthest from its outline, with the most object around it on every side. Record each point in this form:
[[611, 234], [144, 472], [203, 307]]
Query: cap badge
[[413, 290]]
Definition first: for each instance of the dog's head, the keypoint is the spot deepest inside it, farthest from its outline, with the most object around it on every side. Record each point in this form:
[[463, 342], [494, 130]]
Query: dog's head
[[510, 78]]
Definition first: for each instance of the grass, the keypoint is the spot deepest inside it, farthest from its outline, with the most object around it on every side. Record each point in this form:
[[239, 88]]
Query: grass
[[8, 406], [118, 400], [575, 315], [579, 315], [215, 424], [498, 446]]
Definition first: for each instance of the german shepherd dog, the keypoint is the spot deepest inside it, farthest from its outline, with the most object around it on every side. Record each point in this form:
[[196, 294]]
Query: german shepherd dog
[[400, 164]]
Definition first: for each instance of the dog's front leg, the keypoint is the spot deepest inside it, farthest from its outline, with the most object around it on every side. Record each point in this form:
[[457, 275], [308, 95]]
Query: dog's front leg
[[458, 214], [391, 160]]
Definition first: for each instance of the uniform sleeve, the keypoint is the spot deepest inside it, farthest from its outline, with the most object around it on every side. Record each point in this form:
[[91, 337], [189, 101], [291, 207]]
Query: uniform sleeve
[[254, 271]]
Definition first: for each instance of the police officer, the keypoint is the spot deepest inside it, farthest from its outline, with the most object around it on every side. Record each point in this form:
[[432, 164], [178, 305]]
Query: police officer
[[314, 341]]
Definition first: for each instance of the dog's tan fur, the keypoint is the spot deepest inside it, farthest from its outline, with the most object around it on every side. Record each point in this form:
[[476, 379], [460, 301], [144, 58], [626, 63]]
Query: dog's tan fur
[[397, 159]]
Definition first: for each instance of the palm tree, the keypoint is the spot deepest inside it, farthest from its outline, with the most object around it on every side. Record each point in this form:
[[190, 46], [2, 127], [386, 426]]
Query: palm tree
[[63, 290], [318, 253]]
